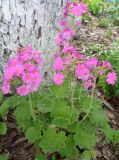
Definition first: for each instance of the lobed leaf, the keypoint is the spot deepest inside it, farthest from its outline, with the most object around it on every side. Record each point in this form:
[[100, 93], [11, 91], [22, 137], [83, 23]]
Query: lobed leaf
[[52, 141]]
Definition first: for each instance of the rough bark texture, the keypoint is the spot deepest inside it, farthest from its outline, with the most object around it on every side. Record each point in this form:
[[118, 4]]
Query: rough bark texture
[[25, 22]]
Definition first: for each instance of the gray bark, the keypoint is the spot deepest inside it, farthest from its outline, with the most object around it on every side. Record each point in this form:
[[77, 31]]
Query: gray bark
[[24, 22]]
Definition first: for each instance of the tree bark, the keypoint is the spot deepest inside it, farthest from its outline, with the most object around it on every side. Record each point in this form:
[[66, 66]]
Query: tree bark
[[24, 22]]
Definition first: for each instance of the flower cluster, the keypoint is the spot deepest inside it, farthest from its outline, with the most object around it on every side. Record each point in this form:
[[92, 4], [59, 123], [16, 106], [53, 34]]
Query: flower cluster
[[64, 37], [24, 71], [92, 68], [67, 57]]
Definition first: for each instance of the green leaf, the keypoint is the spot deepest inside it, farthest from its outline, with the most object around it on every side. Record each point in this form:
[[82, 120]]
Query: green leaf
[[98, 116], [85, 103], [62, 114], [9, 102], [60, 122], [70, 150], [33, 134], [52, 141], [87, 126], [109, 132], [89, 155], [3, 128], [37, 123], [86, 155], [24, 124], [22, 112], [74, 115], [85, 139], [72, 127], [45, 104], [45, 119], [61, 109], [60, 91]]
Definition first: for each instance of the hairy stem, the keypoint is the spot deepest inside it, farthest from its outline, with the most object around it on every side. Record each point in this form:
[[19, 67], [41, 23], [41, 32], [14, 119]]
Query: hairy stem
[[31, 107], [72, 88], [90, 106]]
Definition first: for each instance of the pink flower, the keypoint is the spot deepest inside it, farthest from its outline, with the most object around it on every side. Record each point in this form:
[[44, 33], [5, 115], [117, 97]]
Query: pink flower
[[18, 70], [33, 87], [107, 65], [36, 71], [87, 84], [35, 53], [58, 64], [68, 33], [29, 67], [104, 65], [78, 10], [59, 39], [85, 76], [37, 79], [111, 78], [65, 43], [12, 62], [75, 4], [68, 49], [58, 78], [9, 73], [92, 62], [82, 72], [23, 90], [39, 61], [77, 55], [27, 77], [68, 60], [26, 54], [66, 9], [56, 55], [84, 7], [6, 87], [63, 22], [14, 68]]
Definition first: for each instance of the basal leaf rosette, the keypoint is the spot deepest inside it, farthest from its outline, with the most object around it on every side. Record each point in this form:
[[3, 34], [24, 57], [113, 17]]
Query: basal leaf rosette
[[23, 72]]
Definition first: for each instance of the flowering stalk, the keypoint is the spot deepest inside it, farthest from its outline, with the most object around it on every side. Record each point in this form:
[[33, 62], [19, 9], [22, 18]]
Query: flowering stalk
[[31, 107], [72, 89], [91, 102]]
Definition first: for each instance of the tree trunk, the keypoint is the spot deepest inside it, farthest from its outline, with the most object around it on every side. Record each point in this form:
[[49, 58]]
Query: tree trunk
[[24, 22]]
